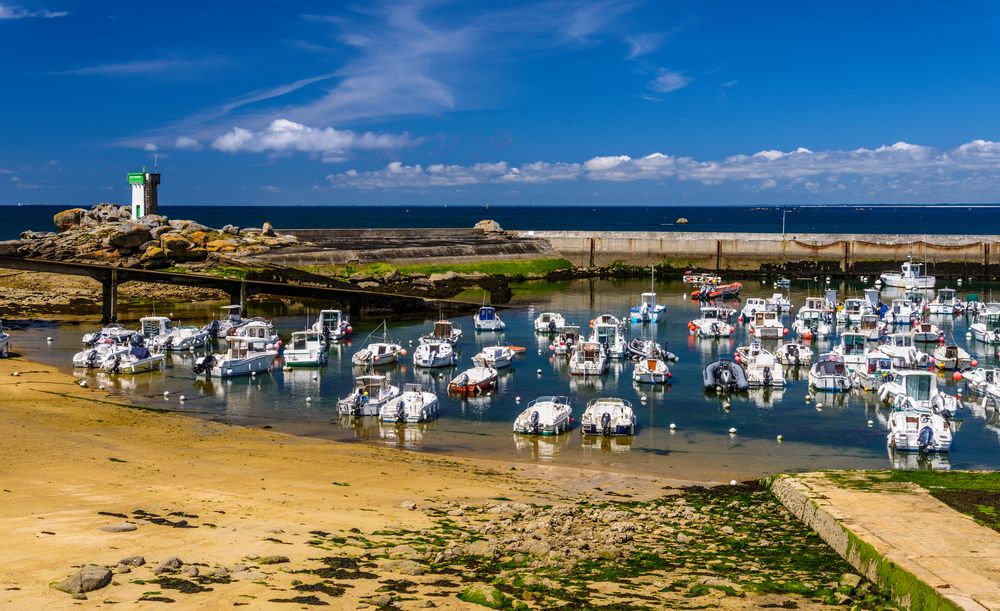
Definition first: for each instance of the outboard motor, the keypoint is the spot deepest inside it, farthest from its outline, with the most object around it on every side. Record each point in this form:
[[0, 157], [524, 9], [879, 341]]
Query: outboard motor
[[400, 412], [533, 421], [606, 423], [795, 355], [552, 326], [725, 377], [116, 367], [925, 439], [92, 359], [767, 376], [204, 364]]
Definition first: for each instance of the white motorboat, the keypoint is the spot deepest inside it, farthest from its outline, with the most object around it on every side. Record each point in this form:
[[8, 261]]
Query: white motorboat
[[779, 303], [986, 329], [854, 308], [487, 319], [918, 387], [945, 303], [444, 331], [564, 342], [647, 310], [4, 342], [232, 316], [984, 382], [640, 348], [306, 349], [900, 346], [713, 322], [94, 357], [830, 374], [751, 307], [378, 353], [496, 357], [549, 322], [761, 366], [918, 429], [794, 354], [137, 359], [651, 371], [116, 333], [415, 404], [545, 416], [927, 333], [701, 279], [607, 319], [255, 328], [852, 347], [435, 354], [333, 324], [474, 380], [810, 323], [244, 356], [608, 416], [161, 334], [910, 276], [878, 369], [588, 359], [871, 327], [370, 393], [901, 312], [767, 325], [951, 356], [611, 336]]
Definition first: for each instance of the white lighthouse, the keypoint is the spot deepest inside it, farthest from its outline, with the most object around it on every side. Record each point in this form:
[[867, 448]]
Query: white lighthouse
[[144, 199]]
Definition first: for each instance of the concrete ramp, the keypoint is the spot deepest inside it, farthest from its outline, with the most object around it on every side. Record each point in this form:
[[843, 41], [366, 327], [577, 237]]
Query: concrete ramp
[[899, 536]]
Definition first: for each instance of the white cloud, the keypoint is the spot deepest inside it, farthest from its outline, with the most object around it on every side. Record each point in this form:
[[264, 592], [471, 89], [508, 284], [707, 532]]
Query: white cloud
[[284, 136], [161, 68], [668, 80], [11, 11], [898, 166], [149, 147], [186, 143]]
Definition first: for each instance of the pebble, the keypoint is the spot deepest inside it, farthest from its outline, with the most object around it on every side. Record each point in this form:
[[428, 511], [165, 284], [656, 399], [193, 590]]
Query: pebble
[[122, 527], [408, 505]]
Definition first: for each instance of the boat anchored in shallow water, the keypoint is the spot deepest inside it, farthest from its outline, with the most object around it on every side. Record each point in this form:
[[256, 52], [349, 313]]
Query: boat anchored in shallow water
[[414, 405], [4, 342], [370, 393], [712, 323], [161, 334], [830, 374], [647, 310], [333, 324], [651, 371], [549, 322], [918, 429], [474, 380], [910, 276], [437, 354], [487, 319], [794, 354], [608, 416], [306, 349], [588, 359], [918, 388], [725, 376], [496, 357], [378, 353], [761, 366], [549, 415], [952, 356], [244, 356], [444, 331]]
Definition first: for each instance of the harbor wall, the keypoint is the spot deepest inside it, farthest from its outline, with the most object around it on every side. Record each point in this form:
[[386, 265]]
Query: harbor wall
[[847, 254]]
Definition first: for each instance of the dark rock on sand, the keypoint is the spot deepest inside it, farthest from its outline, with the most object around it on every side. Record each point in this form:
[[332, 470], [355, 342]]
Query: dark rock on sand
[[90, 577]]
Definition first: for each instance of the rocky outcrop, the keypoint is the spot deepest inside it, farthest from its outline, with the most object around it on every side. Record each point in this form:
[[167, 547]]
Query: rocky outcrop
[[67, 219], [90, 577], [488, 226]]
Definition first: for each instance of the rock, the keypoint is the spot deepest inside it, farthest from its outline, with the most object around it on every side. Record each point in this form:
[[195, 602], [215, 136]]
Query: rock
[[408, 505], [190, 571], [249, 231], [488, 226], [154, 220], [682, 538], [122, 527], [197, 237], [405, 567], [158, 232], [481, 548], [220, 572], [681, 221], [385, 601], [456, 512], [130, 235], [485, 595], [169, 565], [133, 561], [37, 235], [221, 245], [79, 596], [368, 285], [850, 581], [231, 229], [67, 219], [728, 530], [121, 569], [147, 245], [175, 242], [267, 229], [443, 276], [90, 577], [274, 559], [428, 604]]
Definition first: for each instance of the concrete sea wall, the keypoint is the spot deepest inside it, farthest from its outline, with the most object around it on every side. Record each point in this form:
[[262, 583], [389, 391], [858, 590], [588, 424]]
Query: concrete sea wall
[[958, 255]]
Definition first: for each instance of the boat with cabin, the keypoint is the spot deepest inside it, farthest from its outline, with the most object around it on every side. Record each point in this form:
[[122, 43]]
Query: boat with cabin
[[232, 317], [762, 367], [651, 371], [951, 356], [564, 342], [377, 353], [474, 380], [852, 348], [713, 322], [333, 324], [487, 320], [243, 356], [918, 387], [547, 415], [927, 333], [435, 354], [945, 303], [900, 346], [918, 429], [612, 337], [497, 357], [608, 416], [767, 324], [136, 359], [161, 334], [871, 327], [830, 374], [305, 349], [878, 369], [779, 303], [414, 405], [986, 329], [549, 322], [114, 332], [854, 308], [751, 306], [910, 276], [369, 394], [647, 310], [443, 331], [588, 359], [794, 354], [901, 312]]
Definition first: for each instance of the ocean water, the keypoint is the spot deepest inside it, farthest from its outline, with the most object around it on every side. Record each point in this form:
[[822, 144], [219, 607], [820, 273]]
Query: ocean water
[[949, 219], [833, 431]]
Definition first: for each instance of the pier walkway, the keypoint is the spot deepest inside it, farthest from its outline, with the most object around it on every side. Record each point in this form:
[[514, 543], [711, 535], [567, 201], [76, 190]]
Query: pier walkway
[[899, 536]]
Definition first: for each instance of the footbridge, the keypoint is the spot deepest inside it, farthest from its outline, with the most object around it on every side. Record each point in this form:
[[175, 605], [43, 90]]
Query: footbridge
[[238, 289]]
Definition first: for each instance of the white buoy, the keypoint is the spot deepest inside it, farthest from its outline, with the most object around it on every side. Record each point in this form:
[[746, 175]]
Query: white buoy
[[166, 394], [819, 406], [182, 398], [673, 427], [726, 405], [315, 377], [643, 398], [309, 399], [411, 342], [968, 335], [517, 399], [870, 423], [732, 430], [48, 339], [808, 398], [732, 482], [779, 438], [83, 383], [253, 374], [539, 353]]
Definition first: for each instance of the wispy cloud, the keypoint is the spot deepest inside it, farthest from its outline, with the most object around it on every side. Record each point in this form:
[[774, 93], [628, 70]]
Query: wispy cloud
[[13, 11], [284, 136], [889, 167], [668, 80], [644, 44], [169, 67]]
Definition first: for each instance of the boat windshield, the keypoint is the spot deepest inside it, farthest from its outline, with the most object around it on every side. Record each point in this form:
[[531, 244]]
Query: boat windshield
[[854, 344], [331, 319], [918, 387], [710, 313], [902, 341], [442, 329], [649, 299], [831, 367], [299, 342], [487, 314]]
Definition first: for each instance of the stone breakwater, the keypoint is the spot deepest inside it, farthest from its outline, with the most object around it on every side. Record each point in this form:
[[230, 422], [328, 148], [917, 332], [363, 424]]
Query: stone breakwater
[[106, 234]]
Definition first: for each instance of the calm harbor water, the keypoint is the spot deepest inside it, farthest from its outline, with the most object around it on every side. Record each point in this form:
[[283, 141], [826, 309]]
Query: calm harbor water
[[836, 436]]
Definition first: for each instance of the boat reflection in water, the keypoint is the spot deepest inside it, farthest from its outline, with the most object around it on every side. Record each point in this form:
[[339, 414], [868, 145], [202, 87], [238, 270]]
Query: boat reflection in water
[[926, 461], [403, 436], [612, 444], [545, 447], [765, 396]]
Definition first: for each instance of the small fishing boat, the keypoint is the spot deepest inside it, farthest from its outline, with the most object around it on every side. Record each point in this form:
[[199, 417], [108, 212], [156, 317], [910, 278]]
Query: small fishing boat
[[161, 334], [794, 354], [4, 342], [305, 349], [244, 356], [986, 329], [761, 366], [116, 333], [137, 359], [945, 303], [608, 416], [474, 380], [444, 331], [545, 416], [94, 356], [751, 307], [927, 333], [414, 405], [910, 276], [701, 279], [852, 347], [725, 376], [549, 322], [722, 291], [651, 371], [496, 357], [915, 429], [564, 342], [611, 336], [779, 303], [648, 349], [782, 283], [918, 387], [370, 393], [951, 356], [255, 328], [232, 316], [712, 323], [830, 374], [767, 325], [878, 370], [647, 310], [378, 353], [606, 319], [854, 308], [333, 324], [487, 319], [435, 354], [810, 323], [901, 312], [871, 327], [900, 346], [983, 381], [588, 359]]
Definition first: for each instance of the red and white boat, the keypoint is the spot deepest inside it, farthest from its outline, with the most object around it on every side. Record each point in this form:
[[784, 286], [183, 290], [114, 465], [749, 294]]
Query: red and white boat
[[475, 380]]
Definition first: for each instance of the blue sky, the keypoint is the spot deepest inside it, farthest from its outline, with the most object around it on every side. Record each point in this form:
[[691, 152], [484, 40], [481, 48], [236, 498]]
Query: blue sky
[[553, 102]]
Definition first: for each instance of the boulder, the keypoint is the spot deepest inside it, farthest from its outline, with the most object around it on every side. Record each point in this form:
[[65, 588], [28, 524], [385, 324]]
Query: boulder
[[221, 245], [197, 253], [130, 235], [267, 229], [231, 229], [154, 252], [175, 245], [197, 237], [275, 559], [133, 561], [90, 577], [154, 220], [488, 226], [681, 221], [122, 527], [37, 235], [67, 219], [169, 565]]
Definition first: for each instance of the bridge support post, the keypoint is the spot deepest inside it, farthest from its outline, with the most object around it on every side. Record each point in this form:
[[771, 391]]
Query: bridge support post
[[109, 302]]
